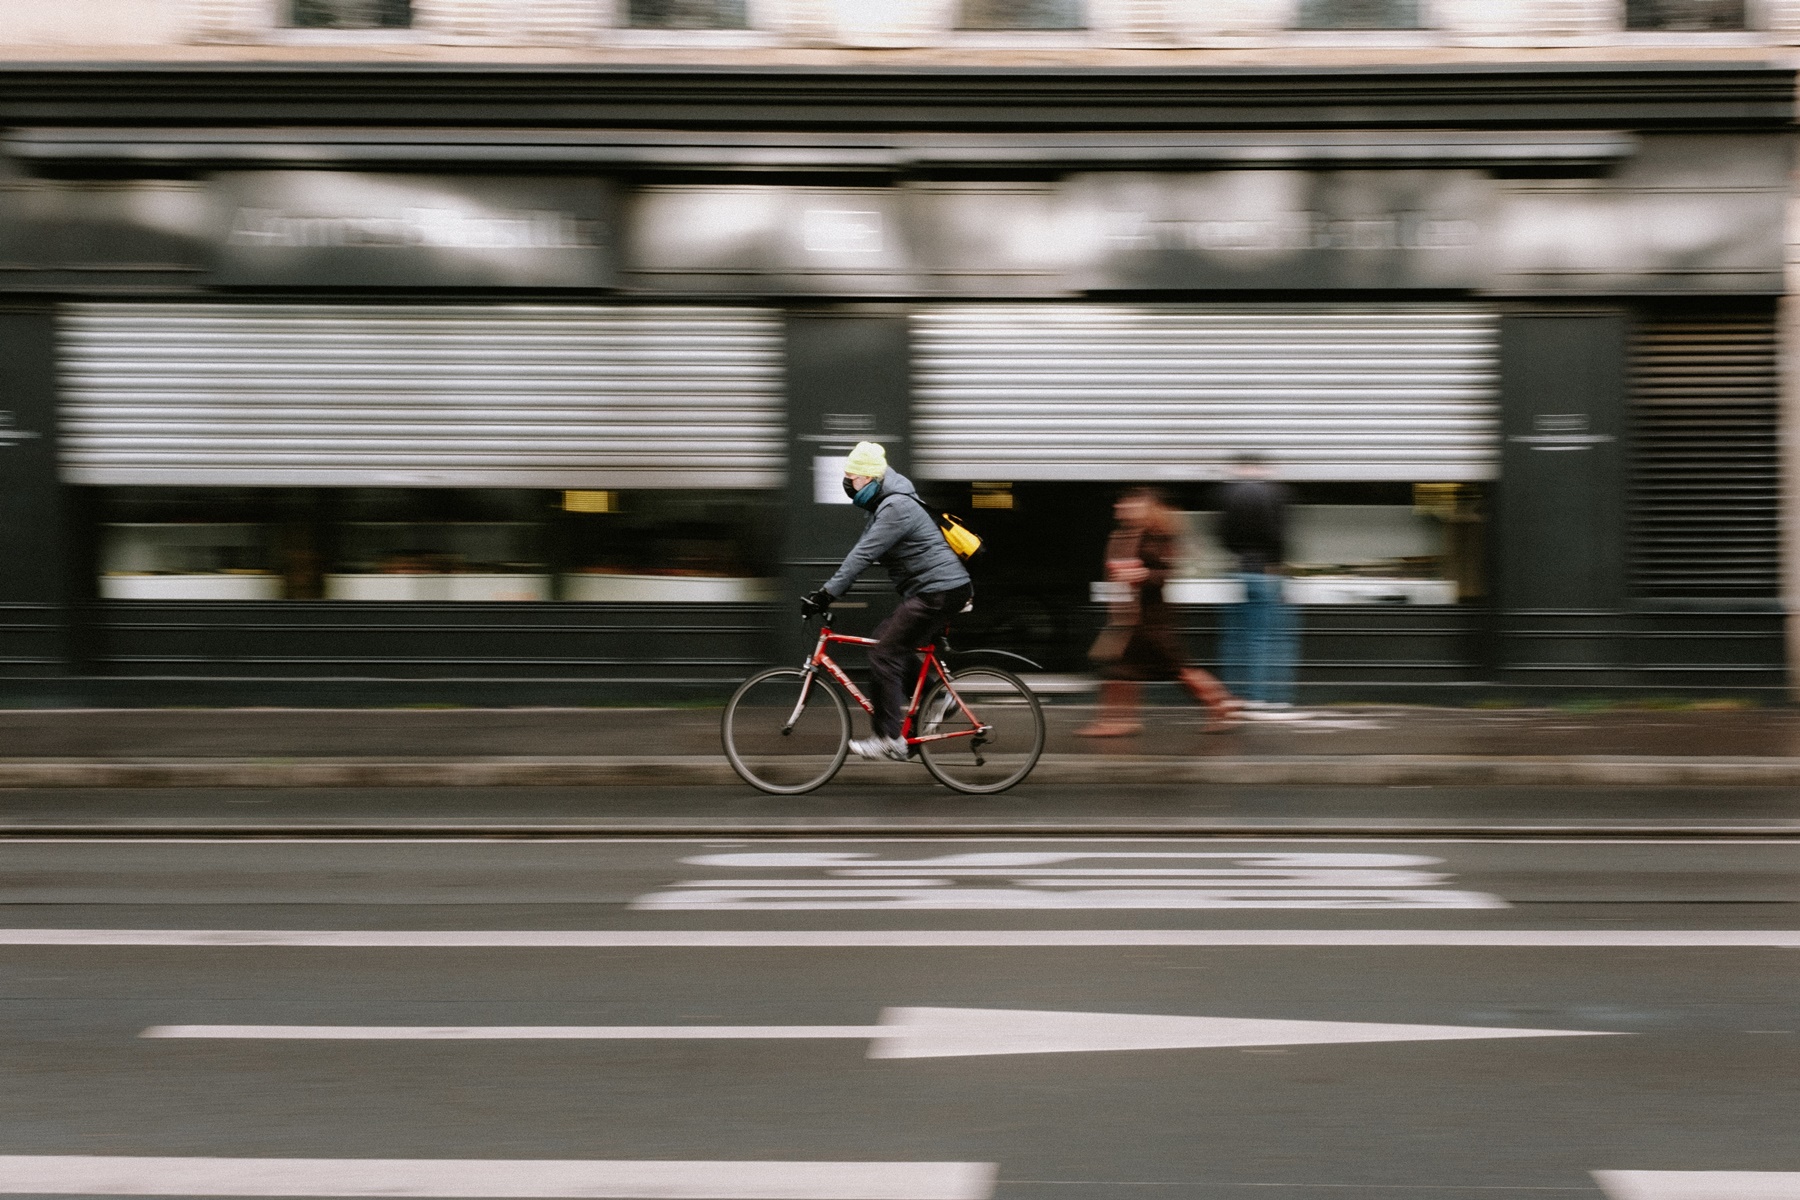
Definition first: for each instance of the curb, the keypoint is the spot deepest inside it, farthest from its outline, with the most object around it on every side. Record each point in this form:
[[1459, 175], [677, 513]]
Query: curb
[[1364, 770]]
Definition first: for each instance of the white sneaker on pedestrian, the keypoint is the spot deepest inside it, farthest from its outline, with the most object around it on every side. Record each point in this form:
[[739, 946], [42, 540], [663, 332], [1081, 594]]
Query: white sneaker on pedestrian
[[880, 747]]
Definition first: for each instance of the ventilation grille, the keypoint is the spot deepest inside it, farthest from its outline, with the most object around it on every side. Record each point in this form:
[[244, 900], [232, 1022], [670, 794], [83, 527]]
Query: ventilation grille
[[1706, 469]]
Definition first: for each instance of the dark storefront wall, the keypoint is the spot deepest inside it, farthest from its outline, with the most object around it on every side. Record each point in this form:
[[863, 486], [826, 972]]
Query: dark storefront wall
[[698, 420], [1570, 617], [36, 527], [1352, 237], [1637, 511]]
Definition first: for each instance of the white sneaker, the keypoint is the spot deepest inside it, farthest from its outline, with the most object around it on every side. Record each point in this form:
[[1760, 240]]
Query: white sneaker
[[880, 747]]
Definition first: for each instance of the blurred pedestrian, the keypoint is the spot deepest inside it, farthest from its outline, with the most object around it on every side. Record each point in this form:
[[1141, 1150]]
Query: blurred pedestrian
[[1261, 643], [1140, 643]]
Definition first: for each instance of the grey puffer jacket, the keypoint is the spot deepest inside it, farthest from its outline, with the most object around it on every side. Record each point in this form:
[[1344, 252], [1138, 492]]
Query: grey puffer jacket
[[903, 538]]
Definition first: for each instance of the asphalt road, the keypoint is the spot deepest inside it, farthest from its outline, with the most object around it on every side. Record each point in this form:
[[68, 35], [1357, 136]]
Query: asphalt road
[[832, 1018], [914, 805]]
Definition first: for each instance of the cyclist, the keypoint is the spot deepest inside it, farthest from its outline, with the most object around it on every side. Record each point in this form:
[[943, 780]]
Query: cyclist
[[901, 536]]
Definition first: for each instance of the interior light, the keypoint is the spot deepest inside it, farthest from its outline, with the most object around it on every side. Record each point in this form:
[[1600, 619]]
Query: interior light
[[591, 502]]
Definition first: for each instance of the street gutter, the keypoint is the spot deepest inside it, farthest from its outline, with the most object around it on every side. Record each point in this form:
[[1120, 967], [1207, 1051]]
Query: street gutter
[[1292, 829], [1353, 770]]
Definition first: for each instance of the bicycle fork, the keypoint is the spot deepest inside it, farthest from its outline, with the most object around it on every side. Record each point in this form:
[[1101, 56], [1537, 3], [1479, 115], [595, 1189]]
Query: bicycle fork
[[800, 703]]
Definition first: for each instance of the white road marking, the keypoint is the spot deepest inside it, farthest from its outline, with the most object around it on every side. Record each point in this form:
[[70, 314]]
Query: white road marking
[[502, 1033], [962, 1032], [935, 897], [493, 1179], [1700, 1185], [930, 1032], [881, 939], [1066, 879]]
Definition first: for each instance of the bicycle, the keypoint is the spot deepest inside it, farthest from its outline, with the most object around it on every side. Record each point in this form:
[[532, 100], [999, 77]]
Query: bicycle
[[787, 729]]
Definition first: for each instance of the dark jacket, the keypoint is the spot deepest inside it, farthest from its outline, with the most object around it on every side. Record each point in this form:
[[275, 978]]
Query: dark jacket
[[1253, 523], [903, 538]]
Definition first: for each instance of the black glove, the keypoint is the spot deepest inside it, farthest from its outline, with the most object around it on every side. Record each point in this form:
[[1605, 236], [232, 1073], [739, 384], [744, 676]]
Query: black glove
[[816, 603]]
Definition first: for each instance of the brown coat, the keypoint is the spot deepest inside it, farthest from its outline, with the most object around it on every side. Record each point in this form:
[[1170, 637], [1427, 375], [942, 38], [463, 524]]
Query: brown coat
[[1140, 641]]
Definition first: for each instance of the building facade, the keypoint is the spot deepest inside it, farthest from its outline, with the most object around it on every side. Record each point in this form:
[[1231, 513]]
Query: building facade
[[506, 351]]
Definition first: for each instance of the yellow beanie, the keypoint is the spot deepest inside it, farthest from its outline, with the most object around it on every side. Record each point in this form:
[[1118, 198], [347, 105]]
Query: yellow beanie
[[867, 459]]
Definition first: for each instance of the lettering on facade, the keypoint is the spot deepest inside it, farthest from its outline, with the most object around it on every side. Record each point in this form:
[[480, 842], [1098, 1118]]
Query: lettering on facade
[[10, 434], [434, 228], [841, 231], [1293, 231], [849, 423], [1557, 432]]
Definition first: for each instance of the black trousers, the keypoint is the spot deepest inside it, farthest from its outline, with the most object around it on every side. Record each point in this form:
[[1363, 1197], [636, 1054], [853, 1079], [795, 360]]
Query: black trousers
[[894, 659]]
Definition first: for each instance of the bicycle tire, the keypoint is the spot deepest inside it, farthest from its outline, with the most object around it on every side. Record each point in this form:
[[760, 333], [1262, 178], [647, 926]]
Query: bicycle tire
[[998, 699], [775, 762]]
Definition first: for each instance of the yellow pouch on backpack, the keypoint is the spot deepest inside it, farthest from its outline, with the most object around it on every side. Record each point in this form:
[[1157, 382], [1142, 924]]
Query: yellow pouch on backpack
[[964, 542]]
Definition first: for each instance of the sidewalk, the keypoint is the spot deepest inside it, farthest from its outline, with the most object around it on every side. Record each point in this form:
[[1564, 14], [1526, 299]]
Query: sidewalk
[[1337, 746]]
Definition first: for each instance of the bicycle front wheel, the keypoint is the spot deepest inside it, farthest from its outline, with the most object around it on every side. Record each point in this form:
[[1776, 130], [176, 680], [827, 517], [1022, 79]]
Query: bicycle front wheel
[[998, 747], [784, 733]]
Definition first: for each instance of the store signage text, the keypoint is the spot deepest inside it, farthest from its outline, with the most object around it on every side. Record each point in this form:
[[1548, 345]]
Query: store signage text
[[1294, 231], [10, 434], [841, 231], [1561, 432], [443, 228], [330, 228]]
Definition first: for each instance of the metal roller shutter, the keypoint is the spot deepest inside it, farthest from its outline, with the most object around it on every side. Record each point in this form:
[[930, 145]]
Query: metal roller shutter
[[1706, 463], [1104, 392], [456, 395]]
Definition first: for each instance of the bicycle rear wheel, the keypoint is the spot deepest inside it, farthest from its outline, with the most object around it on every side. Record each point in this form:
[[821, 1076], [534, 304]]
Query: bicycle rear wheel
[[767, 752], [990, 761]]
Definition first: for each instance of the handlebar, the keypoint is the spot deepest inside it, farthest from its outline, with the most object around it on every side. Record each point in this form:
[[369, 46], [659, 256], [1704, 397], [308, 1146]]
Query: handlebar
[[826, 614]]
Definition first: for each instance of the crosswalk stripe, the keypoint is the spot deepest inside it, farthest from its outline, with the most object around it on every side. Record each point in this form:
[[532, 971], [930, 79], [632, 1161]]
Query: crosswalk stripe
[[493, 1179], [902, 938]]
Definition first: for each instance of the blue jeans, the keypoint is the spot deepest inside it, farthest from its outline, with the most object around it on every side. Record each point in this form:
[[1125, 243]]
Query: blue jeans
[[1262, 641]]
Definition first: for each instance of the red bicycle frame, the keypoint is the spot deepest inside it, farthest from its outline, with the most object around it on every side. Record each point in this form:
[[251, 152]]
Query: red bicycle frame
[[929, 663]]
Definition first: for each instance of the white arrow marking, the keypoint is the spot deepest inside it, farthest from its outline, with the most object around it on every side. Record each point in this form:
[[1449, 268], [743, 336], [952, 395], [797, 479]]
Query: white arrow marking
[[1700, 1185], [494, 1179], [927, 1032]]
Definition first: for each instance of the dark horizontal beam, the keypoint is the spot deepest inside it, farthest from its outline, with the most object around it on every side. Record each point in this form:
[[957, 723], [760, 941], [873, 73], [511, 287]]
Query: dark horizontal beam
[[313, 146], [1628, 95]]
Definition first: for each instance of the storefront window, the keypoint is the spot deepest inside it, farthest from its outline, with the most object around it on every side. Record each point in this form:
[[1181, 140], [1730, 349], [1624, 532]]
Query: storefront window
[[1359, 544], [1021, 14], [698, 547], [1359, 14], [437, 545], [174, 545], [688, 14], [1686, 16], [351, 14], [450, 544]]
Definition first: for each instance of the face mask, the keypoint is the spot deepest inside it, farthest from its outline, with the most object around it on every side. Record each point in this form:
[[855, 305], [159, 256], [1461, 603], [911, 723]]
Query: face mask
[[863, 497]]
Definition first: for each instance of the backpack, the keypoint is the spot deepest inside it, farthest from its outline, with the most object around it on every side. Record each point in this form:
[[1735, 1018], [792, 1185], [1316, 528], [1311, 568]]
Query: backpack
[[964, 542]]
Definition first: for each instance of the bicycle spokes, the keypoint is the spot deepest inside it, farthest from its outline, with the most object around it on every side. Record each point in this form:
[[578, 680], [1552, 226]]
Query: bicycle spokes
[[983, 730]]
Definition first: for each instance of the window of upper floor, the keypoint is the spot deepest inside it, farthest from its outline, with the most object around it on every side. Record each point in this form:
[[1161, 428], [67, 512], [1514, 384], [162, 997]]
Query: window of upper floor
[[1360, 14], [1008, 15], [1686, 16], [687, 14], [350, 14]]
